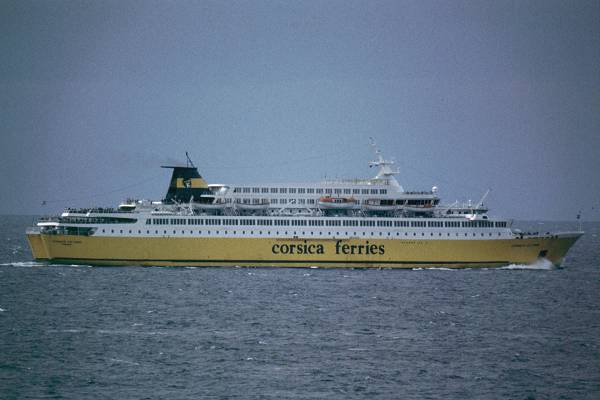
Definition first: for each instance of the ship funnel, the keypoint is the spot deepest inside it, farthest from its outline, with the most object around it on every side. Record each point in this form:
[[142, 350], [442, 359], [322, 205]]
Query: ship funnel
[[186, 183]]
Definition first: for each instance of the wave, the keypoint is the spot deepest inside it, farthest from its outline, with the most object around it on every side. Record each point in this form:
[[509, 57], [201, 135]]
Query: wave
[[24, 264], [541, 264]]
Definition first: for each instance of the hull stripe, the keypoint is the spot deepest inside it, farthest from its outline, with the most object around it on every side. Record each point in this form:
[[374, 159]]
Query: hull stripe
[[92, 260]]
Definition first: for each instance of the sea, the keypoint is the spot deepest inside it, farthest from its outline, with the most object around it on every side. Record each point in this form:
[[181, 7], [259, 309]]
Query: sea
[[84, 332]]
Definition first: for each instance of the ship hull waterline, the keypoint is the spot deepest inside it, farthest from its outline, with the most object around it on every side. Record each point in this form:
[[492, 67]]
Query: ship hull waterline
[[297, 252]]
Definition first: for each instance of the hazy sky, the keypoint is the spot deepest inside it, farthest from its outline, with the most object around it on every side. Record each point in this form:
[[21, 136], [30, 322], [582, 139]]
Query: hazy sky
[[96, 95]]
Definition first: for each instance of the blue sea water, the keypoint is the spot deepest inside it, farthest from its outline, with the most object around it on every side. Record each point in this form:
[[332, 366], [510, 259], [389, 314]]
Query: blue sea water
[[80, 332]]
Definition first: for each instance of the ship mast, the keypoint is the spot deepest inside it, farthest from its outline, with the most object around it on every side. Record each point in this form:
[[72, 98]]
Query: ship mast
[[386, 170]]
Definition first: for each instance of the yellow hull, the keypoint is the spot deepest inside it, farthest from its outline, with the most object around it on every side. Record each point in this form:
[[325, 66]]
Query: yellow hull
[[280, 252]]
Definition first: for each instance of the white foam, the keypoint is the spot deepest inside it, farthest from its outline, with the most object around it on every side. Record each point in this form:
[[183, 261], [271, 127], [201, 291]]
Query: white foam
[[117, 360], [23, 264], [541, 264]]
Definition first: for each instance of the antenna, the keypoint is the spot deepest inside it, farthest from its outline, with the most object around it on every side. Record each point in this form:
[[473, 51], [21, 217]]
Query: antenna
[[189, 162], [483, 199]]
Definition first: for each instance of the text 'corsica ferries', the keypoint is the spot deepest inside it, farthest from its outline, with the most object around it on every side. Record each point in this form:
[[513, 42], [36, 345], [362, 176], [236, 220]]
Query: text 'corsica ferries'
[[338, 223]]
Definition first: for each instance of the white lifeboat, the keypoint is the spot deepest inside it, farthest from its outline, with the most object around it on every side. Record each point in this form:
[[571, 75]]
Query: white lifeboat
[[262, 205], [215, 205]]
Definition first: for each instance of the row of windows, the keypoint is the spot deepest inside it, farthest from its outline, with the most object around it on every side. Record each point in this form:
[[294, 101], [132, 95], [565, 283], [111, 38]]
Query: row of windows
[[304, 233], [314, 201], [308, 190], [327, 222]]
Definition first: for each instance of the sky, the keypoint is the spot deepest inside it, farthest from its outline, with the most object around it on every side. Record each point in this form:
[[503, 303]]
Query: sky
[[466, 96]]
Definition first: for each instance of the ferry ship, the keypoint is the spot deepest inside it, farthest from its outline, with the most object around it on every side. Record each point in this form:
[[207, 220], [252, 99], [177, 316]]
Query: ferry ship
[[362, 223]]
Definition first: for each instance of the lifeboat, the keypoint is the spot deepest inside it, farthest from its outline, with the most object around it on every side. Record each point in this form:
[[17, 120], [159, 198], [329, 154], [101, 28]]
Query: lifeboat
[[215, 205], [337, 203], [262, 205], [128, 206]]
